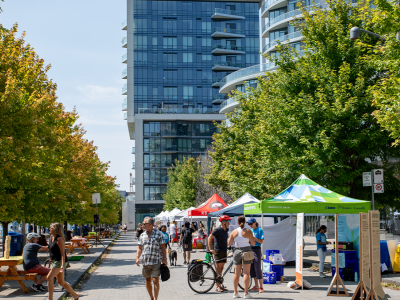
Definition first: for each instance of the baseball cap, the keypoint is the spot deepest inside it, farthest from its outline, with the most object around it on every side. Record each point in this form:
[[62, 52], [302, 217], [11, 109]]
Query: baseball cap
[[251, 221]]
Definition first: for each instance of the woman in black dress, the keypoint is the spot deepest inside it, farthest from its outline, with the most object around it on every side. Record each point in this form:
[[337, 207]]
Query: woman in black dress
[[58, 264], [139, 231]]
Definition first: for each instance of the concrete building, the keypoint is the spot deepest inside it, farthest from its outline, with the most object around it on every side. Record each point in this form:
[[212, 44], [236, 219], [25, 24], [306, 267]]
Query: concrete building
[[177, 54]]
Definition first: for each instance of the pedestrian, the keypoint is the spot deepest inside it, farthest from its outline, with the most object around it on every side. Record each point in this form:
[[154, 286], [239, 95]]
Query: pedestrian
[[255, 269], [31, 261], [172, 232], [200, 235], [166, 235], [186, 241], [58, 262], [220, 251], [139, 231], [125, 228], [321, 248], [151, 253], [243, 256], [30, 228]]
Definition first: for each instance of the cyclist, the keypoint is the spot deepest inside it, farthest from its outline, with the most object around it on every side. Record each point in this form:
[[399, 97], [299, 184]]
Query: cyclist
[[220, 236], [31, 260]]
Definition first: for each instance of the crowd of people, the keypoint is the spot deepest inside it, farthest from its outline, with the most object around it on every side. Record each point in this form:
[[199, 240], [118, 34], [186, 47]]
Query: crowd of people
[[153, 242]]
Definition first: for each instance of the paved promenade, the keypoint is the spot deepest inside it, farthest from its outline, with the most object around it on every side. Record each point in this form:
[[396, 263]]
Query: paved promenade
[[119, 278]]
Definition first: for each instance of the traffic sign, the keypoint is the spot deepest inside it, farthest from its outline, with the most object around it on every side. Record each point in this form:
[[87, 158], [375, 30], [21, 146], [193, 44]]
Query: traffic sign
[[96, 198], [367, 180], [378, 188], [378, 176]]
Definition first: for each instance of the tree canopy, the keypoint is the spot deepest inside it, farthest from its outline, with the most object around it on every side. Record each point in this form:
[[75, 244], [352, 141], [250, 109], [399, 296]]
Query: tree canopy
[[313, 115]]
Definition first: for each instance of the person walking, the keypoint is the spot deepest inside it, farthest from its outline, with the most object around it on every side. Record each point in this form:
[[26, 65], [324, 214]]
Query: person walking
[[186, 241], [166, 235], [243, 256], [172, 232], [139, 231], [321, 248], [58, 262], [255, 269], [30, 228], [151, 253], [125, 228], [220, 251], [31, 261]]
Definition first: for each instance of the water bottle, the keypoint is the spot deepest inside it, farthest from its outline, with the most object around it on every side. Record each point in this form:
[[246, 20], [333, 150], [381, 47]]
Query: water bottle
[[208, 258], [355, 277]]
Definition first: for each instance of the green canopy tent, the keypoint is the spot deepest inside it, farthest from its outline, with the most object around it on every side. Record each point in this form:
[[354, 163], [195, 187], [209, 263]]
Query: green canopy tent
[[306, 196]]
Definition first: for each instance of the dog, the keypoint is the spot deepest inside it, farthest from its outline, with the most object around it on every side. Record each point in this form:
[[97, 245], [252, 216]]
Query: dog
[[173, 256]]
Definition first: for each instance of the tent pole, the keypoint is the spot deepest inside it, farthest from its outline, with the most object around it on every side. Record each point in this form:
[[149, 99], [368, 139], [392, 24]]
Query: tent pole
[[262, 245]]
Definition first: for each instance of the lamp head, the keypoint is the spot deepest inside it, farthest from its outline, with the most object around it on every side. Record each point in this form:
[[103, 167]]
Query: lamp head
[[355, 33]]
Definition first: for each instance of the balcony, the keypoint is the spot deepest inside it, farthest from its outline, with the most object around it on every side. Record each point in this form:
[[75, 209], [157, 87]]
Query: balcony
[[125, 116], [125, 74], [124, 106], [125, 89], [131, 197], [228, 106], [291, 36], [219, 98], [227, 33], [186, 110], [124, 25], [124, 42], [133, 165], [133, 150], [170, 149], [283, 19], [227, 66], [229, 82], [271, 4], [125, 58], [216, 81], [133, 180], [220, 49], [227, 14]]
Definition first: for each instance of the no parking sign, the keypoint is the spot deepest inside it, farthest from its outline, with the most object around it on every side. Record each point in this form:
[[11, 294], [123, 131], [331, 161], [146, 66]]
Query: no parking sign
[[378, 188]]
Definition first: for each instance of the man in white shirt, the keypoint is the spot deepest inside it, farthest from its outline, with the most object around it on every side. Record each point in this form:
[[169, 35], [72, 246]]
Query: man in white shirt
[[172, 232]]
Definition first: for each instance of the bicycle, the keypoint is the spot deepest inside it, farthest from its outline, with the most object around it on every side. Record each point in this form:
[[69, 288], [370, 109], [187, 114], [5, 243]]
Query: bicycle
[[203, 276]]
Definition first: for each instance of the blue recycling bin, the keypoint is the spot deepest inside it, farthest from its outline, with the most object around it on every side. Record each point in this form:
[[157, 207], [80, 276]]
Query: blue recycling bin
[[16, 243]]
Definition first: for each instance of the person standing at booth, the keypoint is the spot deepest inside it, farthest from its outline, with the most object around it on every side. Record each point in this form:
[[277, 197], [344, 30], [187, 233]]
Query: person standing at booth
[[172, 232], [321, 248], [255, 269]]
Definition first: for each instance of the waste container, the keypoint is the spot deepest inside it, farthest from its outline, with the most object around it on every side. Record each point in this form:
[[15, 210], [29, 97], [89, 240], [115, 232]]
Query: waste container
[[16, 243]]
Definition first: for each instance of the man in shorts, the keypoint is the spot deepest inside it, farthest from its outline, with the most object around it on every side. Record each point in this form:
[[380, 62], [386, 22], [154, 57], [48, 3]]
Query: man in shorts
[[186, 241], [151, 253], [220, 236], [31, 260]]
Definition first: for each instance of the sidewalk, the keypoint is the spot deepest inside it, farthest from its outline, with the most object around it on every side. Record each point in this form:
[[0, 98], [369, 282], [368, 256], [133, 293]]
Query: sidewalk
[[12, 290], [119, 278]]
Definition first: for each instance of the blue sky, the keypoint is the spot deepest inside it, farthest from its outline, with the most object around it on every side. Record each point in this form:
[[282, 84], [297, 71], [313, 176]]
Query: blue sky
[[82, 42]]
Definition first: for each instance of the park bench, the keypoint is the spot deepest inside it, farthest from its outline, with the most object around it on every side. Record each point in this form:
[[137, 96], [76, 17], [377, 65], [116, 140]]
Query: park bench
[[12, 273], [77, 243]]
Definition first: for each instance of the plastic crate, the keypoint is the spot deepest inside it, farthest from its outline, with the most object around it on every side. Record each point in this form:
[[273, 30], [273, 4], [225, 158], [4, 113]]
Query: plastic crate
[[270, 252], [352, 266], [278, 269], [340, 272], [269, 278]]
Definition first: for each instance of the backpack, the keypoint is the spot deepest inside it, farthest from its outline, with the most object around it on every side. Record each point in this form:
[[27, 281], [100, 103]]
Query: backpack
[[187, 235]]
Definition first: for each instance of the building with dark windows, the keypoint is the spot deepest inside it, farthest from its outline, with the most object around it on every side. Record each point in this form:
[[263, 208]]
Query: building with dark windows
[[177, 54]]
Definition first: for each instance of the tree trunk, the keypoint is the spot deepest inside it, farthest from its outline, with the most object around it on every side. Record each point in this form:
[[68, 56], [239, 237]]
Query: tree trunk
[[75, 229], [5, 233], [23, 231], [66, 230], [34, 228]]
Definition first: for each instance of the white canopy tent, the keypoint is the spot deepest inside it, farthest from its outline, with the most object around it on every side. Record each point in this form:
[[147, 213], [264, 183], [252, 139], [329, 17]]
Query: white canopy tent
[[161, 216], [181, 214], [172, 214]]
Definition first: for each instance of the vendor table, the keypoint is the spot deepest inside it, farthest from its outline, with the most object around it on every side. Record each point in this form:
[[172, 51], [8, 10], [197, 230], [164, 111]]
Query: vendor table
[[78, 242], [12, 272]]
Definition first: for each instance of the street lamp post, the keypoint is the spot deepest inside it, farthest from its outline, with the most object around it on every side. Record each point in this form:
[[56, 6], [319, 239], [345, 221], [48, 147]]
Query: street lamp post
[[356, 31]]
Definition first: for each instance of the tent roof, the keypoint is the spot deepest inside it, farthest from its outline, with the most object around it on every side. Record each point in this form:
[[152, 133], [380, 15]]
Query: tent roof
[[174, 212], [306, 196], [236, 208], [213, 204], [183, 213]]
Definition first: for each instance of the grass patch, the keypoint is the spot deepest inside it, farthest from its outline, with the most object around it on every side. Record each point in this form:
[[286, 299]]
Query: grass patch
[[391, 286]]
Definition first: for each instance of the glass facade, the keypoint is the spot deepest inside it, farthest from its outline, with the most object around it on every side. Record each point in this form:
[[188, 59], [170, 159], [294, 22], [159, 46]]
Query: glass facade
[[174, 58], [163, 143], [146, 210]]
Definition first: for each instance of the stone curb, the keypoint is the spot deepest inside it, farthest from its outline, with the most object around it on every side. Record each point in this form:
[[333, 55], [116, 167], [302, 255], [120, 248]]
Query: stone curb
[[395, 280], [59, 295]]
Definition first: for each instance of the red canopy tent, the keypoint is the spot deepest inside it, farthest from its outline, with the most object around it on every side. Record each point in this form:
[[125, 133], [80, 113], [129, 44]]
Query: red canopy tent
[[215, 203]]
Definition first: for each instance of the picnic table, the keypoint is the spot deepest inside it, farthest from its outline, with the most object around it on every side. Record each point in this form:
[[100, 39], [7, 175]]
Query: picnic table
[[92, 235], [12, 272], [77, 243], [106, 233]]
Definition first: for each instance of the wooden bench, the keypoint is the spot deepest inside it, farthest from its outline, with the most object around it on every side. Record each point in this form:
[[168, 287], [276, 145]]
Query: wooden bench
[[12, 273]]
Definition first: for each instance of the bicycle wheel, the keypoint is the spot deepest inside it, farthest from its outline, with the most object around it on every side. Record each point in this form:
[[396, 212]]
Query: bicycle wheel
[[241, 283], [201, 278]]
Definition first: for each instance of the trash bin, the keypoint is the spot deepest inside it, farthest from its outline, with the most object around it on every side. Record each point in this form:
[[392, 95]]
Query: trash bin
[[16, 243]]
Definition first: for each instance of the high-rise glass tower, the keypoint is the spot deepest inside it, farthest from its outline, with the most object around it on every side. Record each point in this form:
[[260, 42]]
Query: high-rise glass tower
[[177, 54]]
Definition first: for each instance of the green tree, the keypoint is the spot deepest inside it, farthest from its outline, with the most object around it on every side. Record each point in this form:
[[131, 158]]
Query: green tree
[[312, 115], [182, 184]]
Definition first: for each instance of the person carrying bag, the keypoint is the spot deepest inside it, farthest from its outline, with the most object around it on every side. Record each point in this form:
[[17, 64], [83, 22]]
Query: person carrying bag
[[243, 256]]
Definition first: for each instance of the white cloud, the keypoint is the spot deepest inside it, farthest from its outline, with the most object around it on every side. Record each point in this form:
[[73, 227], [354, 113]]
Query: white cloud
[[99, 94]]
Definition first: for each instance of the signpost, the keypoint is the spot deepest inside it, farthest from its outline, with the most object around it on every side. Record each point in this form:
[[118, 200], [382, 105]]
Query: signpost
[[96, 200], [374, 179], [299, 250], [367, 179], [336, 279]]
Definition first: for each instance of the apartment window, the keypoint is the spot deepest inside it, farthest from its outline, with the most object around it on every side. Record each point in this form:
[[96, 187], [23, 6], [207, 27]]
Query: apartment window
[[154, 192], [187, 92], [187, 57], [171, 92], [170, 75], [169, 24], [170, 58], [277, 12], [140, 42], [187, 42], [170, 42]]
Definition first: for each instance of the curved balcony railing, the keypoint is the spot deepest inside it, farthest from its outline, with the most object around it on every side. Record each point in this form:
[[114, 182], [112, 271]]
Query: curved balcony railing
[[203, 110], [228, 12], [228, 30], [124, 24], [220, 96], [228, 64], [218, 79], [288, 15], [124, 42], [125, 89], [227, 102], [229, 47], [267, 4], [125, 116], [125, 58], [246, 72], [124, 106], [282, 39], [124, 73]]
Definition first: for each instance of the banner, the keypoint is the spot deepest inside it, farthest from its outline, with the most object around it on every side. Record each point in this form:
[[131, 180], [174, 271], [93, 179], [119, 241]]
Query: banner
[[299, 249]]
